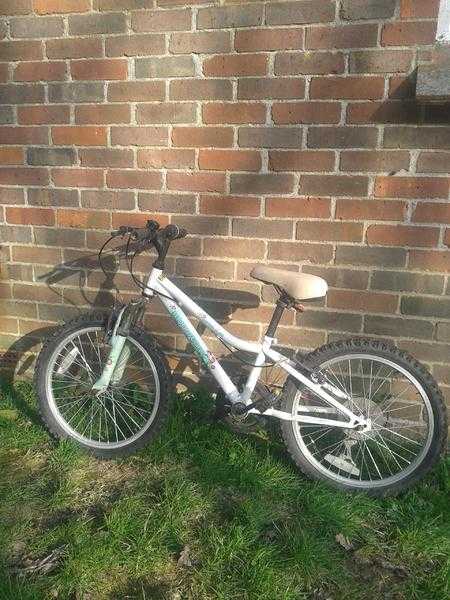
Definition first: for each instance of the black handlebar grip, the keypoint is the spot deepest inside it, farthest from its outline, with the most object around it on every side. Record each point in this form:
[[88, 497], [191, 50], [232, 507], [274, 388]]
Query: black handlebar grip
[[183, 233], [172, 232], [152, 225]]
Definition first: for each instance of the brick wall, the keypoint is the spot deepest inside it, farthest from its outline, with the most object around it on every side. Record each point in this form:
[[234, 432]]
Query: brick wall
[[282, 132]]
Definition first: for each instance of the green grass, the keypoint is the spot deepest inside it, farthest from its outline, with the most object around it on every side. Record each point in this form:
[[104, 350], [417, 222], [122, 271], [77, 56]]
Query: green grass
[[255, 528]]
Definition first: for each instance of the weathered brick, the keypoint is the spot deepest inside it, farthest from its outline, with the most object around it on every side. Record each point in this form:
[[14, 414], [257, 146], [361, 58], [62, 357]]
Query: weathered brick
[[300, 207], [333, 185], [301, 160], [329, 320], [433, 162], [299, 251], [23, 176], [135, 45], [166, 158], [11, 156], [136, 91], [270, 137], [309, 63], [244, 206], [342, 137], [23, 135], [15, 7], [104, 5], [361, 255], [354, 279], [97, 23], [268, 39], [363, 301], [263, 228], [425, 306], [106, 157], [233, 248], [306, 112], [21, 93], [30, 216], [408, 33], [40, 71], [338, 231], [99, 69], [167, 66], [403, 87], [345, 36], [230, 17], [200, 42], [79, 135], [123, 179], [198, 137], [61, 238], [103, 114], [233, 112], [402, 235], [84, 219], [306, 11], [205, 268], [262, 183], [358, 88], [380, 61], [229, 160], [417, 137], [416, 9], [76, 92], [202, 225], [170, 113], [110, 200], [36, 27], [89, 178], [370, 210], [270, 88], [39, 115], [399, 281], [411, 187], [16, 50], [139, 136], [428, 260], [235, 65], [52, 197], [172, 203], [376, 161], [6, 115], [51, 156], [74, 48], [384, 112], [431, 212], [11, 196], [16, 234], [398, 326], [161, 20], [198, 89], [354, 10], [196, 182]]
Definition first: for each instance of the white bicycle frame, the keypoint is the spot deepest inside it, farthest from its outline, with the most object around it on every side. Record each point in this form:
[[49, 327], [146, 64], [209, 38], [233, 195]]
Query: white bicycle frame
[[175, 301]]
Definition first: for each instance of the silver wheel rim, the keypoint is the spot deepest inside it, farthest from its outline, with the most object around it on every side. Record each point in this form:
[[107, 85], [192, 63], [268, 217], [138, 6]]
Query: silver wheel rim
[[391, 427], [138, 411]]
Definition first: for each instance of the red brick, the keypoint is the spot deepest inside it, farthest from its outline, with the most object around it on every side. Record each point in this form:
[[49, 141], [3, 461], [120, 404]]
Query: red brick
[[135, 45], [161, 20], [196, 182], [39, 115], [428, 260], [363, 301], [23, 135], [384, 112], [245, 206], [30, 216], [123, 179], [103, 113], [411, 187], [99, 69], [271, 88], [200, 137], [358, 88], [233, 112], [402, 235], [200, 89], [235, 65], [229, 160], [4, 72], [205, 268], [408, 33], [15, 7], [46, 7], [296, 251], [88, 178], [23, 176], [134, 219], [375, 210], [200, 42], [300, 207], [11, 196], [326, 231], [301, 160], [11, 156], [166, 158], [84, 219], [79, 136], [402, 87], [309, 63], [346, 36], [433, 162], [306, 112], [418, 9], [375, 161], [268, 39], [139, 136], [333, 185], [432, 212], [380, 61], [40, 71], [18, 50], [261, 183], [74, 48], [447, 237], [234, 248], [136, 91], [107, 5], [106, 157]]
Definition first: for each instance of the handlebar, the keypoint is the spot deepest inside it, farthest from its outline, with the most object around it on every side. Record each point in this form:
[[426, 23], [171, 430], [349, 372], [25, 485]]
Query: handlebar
[[150, 232]]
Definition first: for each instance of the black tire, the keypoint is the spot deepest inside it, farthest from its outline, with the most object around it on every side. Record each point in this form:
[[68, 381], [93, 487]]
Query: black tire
[[150, 346], [376, 348]]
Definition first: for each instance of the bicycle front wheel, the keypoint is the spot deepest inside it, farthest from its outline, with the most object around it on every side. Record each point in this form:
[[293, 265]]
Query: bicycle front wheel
[[120, 419], [385, 385]]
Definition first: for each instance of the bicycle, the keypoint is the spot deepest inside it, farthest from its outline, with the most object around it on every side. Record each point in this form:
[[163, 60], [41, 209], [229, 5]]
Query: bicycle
[[359, 414]]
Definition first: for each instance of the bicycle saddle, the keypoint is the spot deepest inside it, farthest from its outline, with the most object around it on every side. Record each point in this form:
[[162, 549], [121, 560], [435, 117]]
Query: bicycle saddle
[[300, 286]]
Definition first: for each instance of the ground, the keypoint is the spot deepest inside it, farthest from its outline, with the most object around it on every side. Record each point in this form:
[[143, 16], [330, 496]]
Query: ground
[[204, 514]]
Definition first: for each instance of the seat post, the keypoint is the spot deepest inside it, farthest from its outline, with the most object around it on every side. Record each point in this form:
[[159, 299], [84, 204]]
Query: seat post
[[283, 302]]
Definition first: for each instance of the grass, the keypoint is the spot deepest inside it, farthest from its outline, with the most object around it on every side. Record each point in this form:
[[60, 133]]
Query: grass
[[204, 514]]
